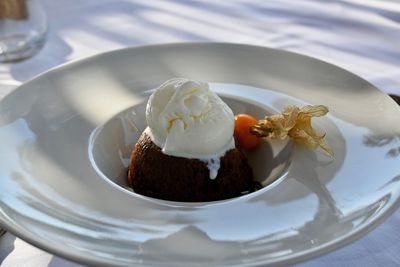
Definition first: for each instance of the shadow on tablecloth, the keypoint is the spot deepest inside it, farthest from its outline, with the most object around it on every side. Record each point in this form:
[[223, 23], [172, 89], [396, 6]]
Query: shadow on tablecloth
[[7, 245]]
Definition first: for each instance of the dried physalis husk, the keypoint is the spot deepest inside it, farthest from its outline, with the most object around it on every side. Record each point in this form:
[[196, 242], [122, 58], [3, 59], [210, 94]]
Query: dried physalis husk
[[295, 122]]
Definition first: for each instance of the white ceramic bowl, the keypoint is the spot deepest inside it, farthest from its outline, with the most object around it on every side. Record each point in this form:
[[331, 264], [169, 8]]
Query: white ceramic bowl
[[67, 134]]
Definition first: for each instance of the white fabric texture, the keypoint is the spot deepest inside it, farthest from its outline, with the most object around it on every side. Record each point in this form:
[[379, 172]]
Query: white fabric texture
[[362, 36]]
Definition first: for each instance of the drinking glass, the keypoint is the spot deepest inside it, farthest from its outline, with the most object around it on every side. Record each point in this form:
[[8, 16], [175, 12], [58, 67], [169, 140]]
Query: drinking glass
[[23, 27]]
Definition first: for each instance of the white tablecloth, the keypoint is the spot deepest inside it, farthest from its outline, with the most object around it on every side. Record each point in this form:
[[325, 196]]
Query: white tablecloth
[[360, 36]]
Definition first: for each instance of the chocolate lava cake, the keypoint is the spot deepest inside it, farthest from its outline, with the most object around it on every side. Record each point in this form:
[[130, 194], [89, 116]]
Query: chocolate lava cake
[[155, 174]]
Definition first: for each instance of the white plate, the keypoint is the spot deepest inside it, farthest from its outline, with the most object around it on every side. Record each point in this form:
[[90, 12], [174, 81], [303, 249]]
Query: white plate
[[55, 194]]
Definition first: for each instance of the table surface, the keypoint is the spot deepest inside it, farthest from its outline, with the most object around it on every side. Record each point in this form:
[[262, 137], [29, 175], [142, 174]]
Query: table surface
[[360, 36]]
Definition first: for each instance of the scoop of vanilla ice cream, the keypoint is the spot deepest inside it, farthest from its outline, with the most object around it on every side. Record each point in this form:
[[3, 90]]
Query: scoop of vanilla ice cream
[[186, 119]]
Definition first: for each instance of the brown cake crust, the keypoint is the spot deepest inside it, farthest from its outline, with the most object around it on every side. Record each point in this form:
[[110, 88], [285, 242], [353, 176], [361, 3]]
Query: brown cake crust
[[155, 174]]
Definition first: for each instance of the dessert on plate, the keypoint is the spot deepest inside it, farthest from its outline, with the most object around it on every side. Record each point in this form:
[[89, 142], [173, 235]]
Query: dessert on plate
[[187, 152]]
